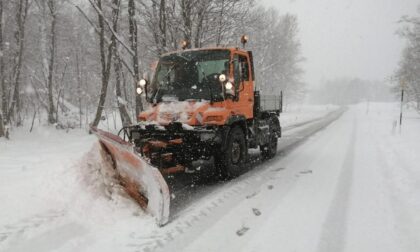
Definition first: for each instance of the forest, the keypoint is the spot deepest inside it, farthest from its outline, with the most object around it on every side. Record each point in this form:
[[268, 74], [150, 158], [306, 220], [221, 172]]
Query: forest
[[71, 64]]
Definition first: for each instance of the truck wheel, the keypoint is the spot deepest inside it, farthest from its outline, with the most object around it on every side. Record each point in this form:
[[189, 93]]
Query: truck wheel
[[268, 151], [232, 160]]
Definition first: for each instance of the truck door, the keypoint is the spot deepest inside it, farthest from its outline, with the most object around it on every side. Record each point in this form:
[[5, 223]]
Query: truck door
[[243, 85]]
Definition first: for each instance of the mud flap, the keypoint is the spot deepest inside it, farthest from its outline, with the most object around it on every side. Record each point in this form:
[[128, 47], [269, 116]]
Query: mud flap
[[142, 181]]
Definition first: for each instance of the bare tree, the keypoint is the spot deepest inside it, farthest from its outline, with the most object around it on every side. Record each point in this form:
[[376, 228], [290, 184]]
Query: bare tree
[[70, 75], [408, 71], [187, 19], [163, 22], [125, 117], [134, 47], [2, 130], [277, 60], [155, 20], [15, 106], [106, 58], [2, 77], [53, 13]]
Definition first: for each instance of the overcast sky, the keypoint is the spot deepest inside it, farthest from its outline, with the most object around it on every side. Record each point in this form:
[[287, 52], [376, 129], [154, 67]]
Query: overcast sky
[[346, 38]]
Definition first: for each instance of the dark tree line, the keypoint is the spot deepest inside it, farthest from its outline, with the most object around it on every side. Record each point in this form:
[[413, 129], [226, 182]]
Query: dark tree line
[[70, 63]]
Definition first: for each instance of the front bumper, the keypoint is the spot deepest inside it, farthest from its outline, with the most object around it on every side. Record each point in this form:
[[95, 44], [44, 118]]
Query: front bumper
[[184, 143]]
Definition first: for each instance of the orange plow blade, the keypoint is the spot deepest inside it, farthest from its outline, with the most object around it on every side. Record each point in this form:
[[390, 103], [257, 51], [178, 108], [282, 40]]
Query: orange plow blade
[[142, 182]]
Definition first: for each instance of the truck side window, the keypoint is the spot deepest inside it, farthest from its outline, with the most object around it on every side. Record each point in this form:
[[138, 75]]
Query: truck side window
[[236, 70], [241, 69], [244, 68]]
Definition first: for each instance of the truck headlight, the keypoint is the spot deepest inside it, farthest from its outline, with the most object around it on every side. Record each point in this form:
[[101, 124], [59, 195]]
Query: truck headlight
[[228, 85], [142, 83], [229, 88]]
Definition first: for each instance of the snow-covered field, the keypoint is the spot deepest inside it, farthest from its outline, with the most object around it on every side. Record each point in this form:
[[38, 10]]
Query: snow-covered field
[[297, 114], [353, 186]]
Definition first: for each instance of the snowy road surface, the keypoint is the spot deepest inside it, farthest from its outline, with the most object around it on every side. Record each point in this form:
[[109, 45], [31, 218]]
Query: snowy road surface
[[353, 186]]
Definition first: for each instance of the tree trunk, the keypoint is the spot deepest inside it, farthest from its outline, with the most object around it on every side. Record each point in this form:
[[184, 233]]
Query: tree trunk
[[105, 63], [220, 24], [418, 102], [79, 88], [186, 9], [51, 110], [14, 109], [2, 83], [2, 133], [162, 24], [125, 118], [2, 77], [133, 40], [200, 22]]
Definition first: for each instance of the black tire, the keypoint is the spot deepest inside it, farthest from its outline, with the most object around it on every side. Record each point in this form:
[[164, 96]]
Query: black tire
[[231, 161], [268, 151]]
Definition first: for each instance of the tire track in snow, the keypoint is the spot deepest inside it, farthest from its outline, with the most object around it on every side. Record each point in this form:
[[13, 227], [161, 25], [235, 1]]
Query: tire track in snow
[[10, 231], [183, 230], [297, 125], [405, 211], [335, 225], [51, 240]]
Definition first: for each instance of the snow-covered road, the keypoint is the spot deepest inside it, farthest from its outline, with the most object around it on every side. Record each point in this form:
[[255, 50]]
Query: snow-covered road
[[353, 186]]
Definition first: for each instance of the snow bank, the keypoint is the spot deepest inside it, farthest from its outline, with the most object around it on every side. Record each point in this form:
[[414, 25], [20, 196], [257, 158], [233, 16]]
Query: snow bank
[[57, 191]]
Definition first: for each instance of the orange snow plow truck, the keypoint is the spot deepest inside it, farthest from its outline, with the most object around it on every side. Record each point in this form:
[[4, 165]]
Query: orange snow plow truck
[[204, 105]]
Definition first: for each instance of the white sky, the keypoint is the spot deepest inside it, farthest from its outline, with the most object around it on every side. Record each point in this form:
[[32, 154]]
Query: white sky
[[346, 38]]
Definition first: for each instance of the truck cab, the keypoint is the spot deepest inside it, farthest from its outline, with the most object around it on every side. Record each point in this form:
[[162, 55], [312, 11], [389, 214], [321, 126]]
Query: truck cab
[[203, 104]]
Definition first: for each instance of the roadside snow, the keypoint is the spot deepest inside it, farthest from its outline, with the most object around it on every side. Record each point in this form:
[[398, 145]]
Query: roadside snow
[[57, 192], [53, 187], [351, 187]]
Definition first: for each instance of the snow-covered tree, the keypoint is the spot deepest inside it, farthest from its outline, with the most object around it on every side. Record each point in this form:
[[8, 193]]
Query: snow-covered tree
[[277, 52], [408, 73]]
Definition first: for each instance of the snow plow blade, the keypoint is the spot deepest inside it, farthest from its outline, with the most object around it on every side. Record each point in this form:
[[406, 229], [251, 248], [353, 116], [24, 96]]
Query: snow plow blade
[[141, 181]]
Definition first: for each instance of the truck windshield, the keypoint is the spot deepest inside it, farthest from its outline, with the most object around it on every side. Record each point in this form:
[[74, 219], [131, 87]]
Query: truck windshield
[[191, 75]]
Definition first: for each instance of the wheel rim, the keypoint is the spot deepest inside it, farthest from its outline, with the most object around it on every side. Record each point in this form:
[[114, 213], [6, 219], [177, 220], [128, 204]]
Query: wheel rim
[[236, 152]]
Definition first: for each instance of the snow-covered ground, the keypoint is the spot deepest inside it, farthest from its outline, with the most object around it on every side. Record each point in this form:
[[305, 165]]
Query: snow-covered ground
[[296, 114], [353, 186]]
